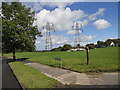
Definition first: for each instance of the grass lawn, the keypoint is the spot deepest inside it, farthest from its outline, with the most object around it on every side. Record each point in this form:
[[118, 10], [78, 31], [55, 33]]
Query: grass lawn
[[30, 77], [101, 59]]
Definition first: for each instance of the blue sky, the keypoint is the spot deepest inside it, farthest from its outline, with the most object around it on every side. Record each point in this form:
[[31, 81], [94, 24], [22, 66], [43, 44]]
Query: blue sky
[[99, 21], [108, 15]]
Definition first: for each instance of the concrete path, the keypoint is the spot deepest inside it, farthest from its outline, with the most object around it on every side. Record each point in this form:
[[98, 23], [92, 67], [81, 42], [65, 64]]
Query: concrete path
[[67, 77]]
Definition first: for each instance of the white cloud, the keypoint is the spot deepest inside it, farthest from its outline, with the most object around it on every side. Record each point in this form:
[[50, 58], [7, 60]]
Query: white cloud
[[101, 24], [37, 42], [59, 39], [56, 41], [100, 11], [85, 38], [84, 22], [36, 6], [60, 17], [73, 32], [80, 24], [58, 4]]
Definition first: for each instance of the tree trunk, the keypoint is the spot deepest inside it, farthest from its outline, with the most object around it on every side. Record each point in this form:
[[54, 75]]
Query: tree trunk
[[14, 58]]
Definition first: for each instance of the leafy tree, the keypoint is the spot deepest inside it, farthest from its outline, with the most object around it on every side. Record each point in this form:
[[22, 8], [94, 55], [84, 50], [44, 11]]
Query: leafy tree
[[108, 42], [63, 49], [57, 49], [116, 41], [90, 46], [18, 32], [100, 43], [78, 45], [67, 46], [97, 46]]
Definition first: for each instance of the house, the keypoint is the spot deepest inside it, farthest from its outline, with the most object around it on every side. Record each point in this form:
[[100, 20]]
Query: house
[[112, 44]]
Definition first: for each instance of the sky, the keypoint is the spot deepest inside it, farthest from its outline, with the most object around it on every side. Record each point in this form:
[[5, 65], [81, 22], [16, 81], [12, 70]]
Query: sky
[[99, 21]]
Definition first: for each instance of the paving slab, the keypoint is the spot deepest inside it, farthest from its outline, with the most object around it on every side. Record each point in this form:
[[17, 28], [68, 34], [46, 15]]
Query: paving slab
[[110, 78], [67, 77], [104, 78], [64, 76], [49, 70]]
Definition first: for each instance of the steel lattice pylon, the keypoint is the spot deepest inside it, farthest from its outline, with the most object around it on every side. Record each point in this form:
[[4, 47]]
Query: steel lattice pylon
[[49, 27], [78, 30]]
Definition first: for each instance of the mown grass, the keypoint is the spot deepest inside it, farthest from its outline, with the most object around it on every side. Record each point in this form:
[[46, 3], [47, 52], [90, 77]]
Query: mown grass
[[101, 59], [30, 77]]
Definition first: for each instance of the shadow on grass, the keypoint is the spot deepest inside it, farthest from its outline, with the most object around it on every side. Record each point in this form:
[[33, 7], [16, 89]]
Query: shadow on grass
[[82, 64], [18, 59], [52, 65]]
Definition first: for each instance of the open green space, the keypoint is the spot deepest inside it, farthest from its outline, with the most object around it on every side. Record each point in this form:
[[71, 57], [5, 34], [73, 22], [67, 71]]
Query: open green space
[[30, 77], [101, 59]]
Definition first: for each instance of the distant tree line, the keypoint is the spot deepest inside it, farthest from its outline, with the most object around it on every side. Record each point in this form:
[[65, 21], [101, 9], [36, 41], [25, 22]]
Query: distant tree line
[[102, 44], [64, 48]]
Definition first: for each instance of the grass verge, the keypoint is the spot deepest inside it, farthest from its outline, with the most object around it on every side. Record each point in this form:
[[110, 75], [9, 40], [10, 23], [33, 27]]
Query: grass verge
[[30, 77]]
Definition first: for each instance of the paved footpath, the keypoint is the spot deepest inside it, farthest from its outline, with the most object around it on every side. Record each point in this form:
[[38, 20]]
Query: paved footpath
[[67, 77]]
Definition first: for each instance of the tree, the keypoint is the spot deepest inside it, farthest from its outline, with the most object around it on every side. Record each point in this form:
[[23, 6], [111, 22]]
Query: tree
[[108, 42], [18, 32], [78, 45], [57, 49], [67, 46], [100, 44], [116, 42], [63, 49], [90, 46]]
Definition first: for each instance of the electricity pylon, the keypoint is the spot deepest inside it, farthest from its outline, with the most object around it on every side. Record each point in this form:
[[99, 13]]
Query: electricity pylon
[[49, 27], [78, 30]]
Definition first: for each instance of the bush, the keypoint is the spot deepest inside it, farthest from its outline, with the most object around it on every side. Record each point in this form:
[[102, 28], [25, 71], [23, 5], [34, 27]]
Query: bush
[[91, 46]]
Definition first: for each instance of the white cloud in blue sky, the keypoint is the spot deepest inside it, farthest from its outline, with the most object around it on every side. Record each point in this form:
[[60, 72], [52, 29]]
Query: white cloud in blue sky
[[101, 24], [62, 19], [64, 14], [92, 17]]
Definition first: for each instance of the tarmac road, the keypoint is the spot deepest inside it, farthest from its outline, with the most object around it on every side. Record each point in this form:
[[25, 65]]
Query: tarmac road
[[0, 73], [8, 78]]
